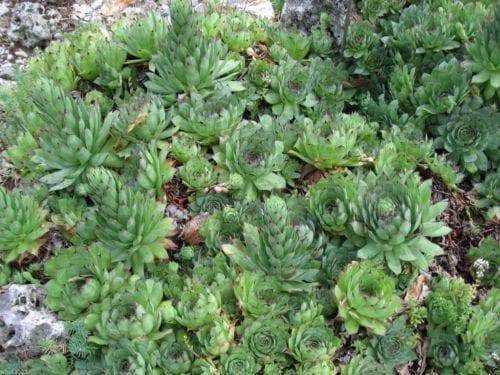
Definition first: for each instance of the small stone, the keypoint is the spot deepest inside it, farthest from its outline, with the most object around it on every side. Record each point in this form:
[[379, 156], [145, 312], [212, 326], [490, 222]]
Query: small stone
[[25, 321], [21, 53]]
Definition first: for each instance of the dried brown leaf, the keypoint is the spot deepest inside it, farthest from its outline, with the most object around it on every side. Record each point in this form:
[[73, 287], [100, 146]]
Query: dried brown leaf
[[419, 289]]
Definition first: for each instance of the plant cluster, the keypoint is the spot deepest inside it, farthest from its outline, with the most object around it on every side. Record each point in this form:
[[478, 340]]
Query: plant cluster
[[240, 198]]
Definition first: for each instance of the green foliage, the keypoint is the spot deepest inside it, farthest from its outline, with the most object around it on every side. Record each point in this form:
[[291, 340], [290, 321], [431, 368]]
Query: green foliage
[[55, 64], [22, 225], [207, 120], [190, 62], [485, 261], [239, 361], [198, 173], [489, 195], [259, 295], [360, 365], [211, 181], [360, 40], [296, 43], [375, 9], [484, 52], [311, 340], [481, 338], [330, 202], [266, 339], [449, 304], [394, 221], [142, 118], [129, 224], [240, 31], [291, 89], [443, 89], [79, 278], [424, 30], [321, 40], [253, 158], [277, 248], [132, 314], [143, 38], [217, 336], [366, 297], [444, 351], [396, 347], [74, 137], [175, 354], [154, 169], [184, 147], [466, 137], [332, 143], [197, 306]]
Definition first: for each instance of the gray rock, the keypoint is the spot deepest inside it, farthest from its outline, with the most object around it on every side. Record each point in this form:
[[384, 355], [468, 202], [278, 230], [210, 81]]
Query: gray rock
[[31, 25], [25, 321], [4, 9], [7, 71], [259, 8], [305, 14]]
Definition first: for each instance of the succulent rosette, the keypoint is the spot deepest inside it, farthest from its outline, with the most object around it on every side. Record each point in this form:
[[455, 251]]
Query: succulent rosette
[[312, 342], [197, 307], [132, 314], [466, 137], [267, 339], [444, 351], [489, 195], [396, 347], [207, 120], [291, 90], [278, 249], [239, 361], [330, 202], [260, 295], [393, 220], [253, 159], [366, 297], [22, 225]]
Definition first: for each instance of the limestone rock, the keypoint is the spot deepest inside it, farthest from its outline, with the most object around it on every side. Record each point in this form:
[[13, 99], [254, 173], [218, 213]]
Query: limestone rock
[[259, 8], [25, 321], [305, 14], [32, 24]]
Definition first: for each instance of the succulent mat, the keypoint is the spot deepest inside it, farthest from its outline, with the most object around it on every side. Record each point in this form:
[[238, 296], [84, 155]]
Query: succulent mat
[[215, 194]]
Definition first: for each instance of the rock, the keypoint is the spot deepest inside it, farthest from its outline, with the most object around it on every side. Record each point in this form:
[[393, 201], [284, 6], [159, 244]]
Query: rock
[[7, 71], [82, 12], [25, 321], [259, 8], [31, 26], [4, 9], [304, 14]]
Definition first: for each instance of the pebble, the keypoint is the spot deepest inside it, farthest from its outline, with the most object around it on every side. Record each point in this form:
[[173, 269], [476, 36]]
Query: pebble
[[20, 53]]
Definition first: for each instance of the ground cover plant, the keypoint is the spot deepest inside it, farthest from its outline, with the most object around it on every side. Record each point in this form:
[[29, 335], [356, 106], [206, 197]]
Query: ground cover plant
[[232, 197]]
